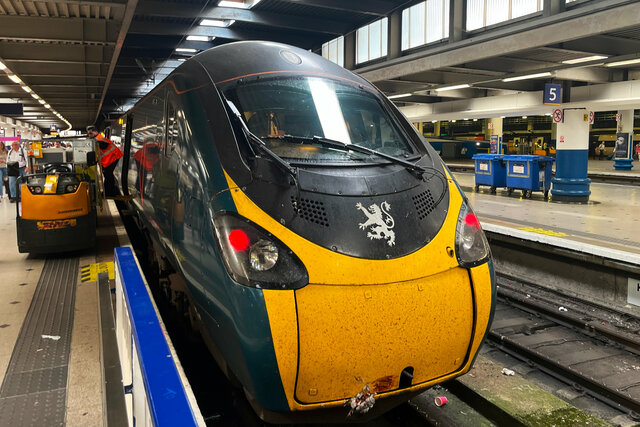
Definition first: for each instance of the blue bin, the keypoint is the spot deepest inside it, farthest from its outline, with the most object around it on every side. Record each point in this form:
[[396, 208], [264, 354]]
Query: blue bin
[[490, 171], [529, 174]]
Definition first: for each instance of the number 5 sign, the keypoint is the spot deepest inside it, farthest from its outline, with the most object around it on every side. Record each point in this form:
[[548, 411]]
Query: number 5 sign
[[552, 94]]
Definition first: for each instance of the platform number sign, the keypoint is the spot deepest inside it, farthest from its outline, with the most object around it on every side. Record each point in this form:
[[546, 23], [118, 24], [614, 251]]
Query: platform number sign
[[552, 94], [633, 297]]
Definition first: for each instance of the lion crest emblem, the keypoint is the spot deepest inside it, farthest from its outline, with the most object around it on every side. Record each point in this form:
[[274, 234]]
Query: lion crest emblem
[[379, 221]]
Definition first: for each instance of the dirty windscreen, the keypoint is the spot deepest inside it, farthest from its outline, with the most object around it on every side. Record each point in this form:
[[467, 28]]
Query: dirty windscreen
[[276, 109]]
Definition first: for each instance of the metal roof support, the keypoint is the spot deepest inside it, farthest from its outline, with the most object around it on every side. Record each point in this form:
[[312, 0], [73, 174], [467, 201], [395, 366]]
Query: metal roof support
[[126, 21]]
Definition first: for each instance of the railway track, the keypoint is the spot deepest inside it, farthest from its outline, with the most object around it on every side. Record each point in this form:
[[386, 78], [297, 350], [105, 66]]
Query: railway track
[[594, 349]]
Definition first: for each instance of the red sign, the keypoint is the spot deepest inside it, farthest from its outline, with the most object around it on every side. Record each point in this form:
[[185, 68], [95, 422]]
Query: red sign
[[557, 115]]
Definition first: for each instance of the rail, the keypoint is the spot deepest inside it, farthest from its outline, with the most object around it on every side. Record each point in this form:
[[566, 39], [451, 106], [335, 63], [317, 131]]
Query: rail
[[156, 390]]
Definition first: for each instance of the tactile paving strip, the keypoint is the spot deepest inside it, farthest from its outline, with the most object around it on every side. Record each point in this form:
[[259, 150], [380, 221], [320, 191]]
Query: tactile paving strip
[[33, 392]]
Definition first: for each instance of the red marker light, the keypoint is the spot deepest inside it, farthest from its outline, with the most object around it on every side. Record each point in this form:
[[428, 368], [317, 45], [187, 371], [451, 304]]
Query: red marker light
[[239, 240], [472, 221]]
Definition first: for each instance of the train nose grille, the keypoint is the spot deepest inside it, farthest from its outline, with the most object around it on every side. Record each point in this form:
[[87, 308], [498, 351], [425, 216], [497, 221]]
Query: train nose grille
[[311, 210], [424, 203]]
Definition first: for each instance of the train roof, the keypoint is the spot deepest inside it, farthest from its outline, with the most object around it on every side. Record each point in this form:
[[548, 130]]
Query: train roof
[[246, 58]]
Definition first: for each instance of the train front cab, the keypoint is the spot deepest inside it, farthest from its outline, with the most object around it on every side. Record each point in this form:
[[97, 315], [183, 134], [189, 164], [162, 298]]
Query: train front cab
[[372, 326], [55, 213]]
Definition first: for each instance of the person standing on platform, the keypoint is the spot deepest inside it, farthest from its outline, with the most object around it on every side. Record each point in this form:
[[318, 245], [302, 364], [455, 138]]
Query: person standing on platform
[[3, 167], [109, 156], [16, 167], [601, 151]]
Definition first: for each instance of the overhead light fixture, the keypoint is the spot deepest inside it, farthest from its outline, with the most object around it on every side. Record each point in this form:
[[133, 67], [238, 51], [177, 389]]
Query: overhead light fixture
[[47, 106], [186, 50], [41, 101], [502, 117], [26, 89], [35, 95], [584, 59], [528, 76], [465, 119], [2, 66], [217, 22], [475, 120], [434, 121], [242, 4], [524, 117], [620, 63], [462, 86], [198, 38], [547, 114], [453, 121], [401, 95], [15, 78]]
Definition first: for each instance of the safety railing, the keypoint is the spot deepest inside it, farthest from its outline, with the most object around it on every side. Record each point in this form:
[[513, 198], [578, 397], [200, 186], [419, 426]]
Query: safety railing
[[156, 391]]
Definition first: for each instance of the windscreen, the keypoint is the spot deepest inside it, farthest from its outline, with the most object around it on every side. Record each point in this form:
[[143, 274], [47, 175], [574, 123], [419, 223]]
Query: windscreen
[[276, 109]]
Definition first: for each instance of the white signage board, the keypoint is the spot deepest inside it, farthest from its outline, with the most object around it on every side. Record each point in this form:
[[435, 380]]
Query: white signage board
[[633, 296]]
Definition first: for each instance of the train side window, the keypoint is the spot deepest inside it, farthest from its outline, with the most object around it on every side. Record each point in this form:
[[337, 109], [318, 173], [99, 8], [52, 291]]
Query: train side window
[[172, 129]]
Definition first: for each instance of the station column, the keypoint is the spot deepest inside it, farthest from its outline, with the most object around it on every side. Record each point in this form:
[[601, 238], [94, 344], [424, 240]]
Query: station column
[[572, 153], [494, 127]]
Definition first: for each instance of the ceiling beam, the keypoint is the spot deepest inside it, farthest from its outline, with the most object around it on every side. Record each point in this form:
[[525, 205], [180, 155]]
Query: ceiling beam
[[276, 20], [59, 30], [599, 17], [139, 27], [368, 7], [124, 29], [113, 4]]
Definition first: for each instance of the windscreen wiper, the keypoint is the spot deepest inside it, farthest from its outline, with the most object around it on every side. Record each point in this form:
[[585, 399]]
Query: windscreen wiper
[[259, 143], [332, 143]]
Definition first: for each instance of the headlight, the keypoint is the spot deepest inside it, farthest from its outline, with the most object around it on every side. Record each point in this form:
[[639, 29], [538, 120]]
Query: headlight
[[71, 188], [472, 247], [253, 257], [35, 189], [263, 255]]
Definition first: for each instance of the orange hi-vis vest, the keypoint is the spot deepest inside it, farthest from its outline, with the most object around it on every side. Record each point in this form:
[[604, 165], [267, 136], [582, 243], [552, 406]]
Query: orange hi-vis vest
[[110, 154]]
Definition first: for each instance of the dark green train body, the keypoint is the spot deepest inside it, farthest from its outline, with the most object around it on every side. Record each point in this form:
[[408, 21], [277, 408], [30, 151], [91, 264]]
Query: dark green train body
[[304, 214]]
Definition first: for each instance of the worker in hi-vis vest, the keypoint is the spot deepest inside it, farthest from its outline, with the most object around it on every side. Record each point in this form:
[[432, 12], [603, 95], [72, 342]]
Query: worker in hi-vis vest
[[109, 156]]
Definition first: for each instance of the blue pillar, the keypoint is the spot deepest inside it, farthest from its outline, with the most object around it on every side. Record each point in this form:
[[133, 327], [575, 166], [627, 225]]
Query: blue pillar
[[572, 153]]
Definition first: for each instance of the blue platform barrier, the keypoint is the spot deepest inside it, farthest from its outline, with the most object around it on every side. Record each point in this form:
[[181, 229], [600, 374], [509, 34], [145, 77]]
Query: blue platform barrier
[[157, 391]]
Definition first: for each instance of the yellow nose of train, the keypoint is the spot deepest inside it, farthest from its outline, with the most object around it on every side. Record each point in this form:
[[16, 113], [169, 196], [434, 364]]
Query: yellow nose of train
[[390, 327]]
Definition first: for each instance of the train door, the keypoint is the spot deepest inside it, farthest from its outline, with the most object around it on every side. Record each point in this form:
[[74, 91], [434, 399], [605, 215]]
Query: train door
[[188, 208]]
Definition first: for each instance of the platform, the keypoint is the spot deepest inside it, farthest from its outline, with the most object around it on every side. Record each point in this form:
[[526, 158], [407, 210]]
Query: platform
[[597, 170], [50, 360], [606, 226]]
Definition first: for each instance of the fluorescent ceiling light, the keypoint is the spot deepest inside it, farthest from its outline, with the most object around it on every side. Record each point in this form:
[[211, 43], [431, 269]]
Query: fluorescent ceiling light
[[26, 89], [186, 50], [434, 121], [584, 59], [35, 95], [528, 76], [466, 118], [15, 78], [475, 120], [453, 121], [2, 66], [524, 117], [463, 86], [41, 101], [198, 38], [619, 63], [217, 22], [401, 95], [47, 106], [238, 4]]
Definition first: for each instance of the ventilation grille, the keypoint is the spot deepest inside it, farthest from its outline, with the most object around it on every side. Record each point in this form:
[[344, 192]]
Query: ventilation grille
[[424, 204], [311, 210]]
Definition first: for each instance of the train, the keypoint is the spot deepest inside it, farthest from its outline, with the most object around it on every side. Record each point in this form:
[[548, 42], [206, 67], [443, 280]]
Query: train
[[326, 254]]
